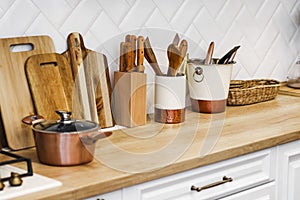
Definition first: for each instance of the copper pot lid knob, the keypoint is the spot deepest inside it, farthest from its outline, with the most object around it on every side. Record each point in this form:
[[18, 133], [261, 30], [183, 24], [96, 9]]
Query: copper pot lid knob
[[15, 179], [65, 116]]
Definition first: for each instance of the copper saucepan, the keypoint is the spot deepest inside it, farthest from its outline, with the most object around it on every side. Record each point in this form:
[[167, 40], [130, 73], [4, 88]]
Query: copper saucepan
[[66, 141]]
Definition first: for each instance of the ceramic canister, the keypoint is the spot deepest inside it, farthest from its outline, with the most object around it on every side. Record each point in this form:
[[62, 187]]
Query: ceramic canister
[[170, 94], [208, 86]]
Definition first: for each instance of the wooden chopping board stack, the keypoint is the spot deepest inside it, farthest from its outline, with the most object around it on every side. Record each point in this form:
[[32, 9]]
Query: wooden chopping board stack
[[15, 97], [40, 81]]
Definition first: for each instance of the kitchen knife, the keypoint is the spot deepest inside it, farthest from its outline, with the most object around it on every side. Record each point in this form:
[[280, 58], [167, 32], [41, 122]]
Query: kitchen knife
[[140, 54], [225, 59], [122, 66], [128, 57], [132, 40]]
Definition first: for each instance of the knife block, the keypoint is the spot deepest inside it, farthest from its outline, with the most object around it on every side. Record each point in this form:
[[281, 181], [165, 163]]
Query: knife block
[[129, 99]]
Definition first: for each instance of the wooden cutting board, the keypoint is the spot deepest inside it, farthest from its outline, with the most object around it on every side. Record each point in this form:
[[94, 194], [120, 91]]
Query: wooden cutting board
[[90, 68], [284, 89], [15, 98], [51, 83]]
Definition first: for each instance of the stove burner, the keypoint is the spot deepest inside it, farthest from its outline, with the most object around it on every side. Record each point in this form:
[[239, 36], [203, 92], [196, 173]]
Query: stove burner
[[16, 160]]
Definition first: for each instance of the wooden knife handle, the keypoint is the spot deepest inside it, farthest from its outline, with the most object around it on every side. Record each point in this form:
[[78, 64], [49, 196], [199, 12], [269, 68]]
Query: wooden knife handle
[[122, 66], [140, 54], [132, 40], [133, 49], [150, 57], [128, 57]]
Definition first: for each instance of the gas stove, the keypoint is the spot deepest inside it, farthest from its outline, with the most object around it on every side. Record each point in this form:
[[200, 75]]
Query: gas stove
[[30, 182]]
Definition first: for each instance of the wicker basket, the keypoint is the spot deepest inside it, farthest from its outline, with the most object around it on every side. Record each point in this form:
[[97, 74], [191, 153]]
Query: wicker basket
[[252, 91]]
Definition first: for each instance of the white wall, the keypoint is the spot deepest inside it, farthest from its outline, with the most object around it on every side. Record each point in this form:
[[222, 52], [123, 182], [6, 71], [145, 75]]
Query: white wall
[[267, 30]]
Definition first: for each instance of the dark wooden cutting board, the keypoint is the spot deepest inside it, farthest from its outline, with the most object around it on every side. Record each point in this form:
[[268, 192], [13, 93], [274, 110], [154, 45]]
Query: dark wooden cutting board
[[51, 83], [15, 98]]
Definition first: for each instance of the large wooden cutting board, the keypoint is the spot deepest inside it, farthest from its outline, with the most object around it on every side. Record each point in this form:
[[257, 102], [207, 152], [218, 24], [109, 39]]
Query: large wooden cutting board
[[51, 83], [15, 98], [90, 68]]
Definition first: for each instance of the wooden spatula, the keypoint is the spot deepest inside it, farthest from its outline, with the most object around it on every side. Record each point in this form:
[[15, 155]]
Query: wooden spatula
[[209, 53], [151, 58]]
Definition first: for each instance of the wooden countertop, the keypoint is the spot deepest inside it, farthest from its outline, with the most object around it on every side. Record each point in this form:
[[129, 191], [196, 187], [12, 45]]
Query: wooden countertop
[[157, 150]]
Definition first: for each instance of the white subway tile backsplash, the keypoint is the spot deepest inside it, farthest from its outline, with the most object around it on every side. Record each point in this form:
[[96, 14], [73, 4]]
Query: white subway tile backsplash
[[267, 30], [18, 18], [82, 17], [168, 7], [137, 15], [115, 9], [285, 25], [56, 11]]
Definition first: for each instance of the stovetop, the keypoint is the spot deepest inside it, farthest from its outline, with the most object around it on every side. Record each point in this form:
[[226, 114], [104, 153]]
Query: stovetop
[[31, 182]]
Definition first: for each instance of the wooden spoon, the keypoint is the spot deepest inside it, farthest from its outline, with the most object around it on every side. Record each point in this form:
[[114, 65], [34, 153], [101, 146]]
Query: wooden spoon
[[175, 59]]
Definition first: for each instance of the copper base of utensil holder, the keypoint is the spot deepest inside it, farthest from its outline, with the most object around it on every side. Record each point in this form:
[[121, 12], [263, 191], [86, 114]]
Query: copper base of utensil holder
[[208, 106], [169, 116]]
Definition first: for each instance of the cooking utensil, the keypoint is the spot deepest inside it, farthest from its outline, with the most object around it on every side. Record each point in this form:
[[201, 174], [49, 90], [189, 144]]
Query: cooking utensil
[[151, 58], [64, 142], [175, 59], [176, 39], [132, 40], [129, 64], [122, 66], [209, 53], [76, 55], [140, 54], [50, 81], [176, 55], [15, 98], [226, 58], [183, 48]]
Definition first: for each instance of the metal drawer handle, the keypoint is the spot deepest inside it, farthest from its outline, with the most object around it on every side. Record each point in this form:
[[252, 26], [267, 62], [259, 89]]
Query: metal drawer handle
[[225, 180]]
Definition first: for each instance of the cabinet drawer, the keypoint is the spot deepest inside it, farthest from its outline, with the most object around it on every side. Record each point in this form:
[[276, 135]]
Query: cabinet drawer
[[264, 192], [115, 195], [246, 172]]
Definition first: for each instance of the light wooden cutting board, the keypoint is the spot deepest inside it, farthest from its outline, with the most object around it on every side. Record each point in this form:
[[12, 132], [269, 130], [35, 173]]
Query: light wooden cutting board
[[92, 82], [51, 83], [15, 98]]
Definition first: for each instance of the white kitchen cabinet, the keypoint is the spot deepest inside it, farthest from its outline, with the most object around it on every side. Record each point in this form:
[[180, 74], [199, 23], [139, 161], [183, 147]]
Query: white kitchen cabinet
[[115, 195], [246, 171], [288, 174], [263, 192], [272, 174]]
